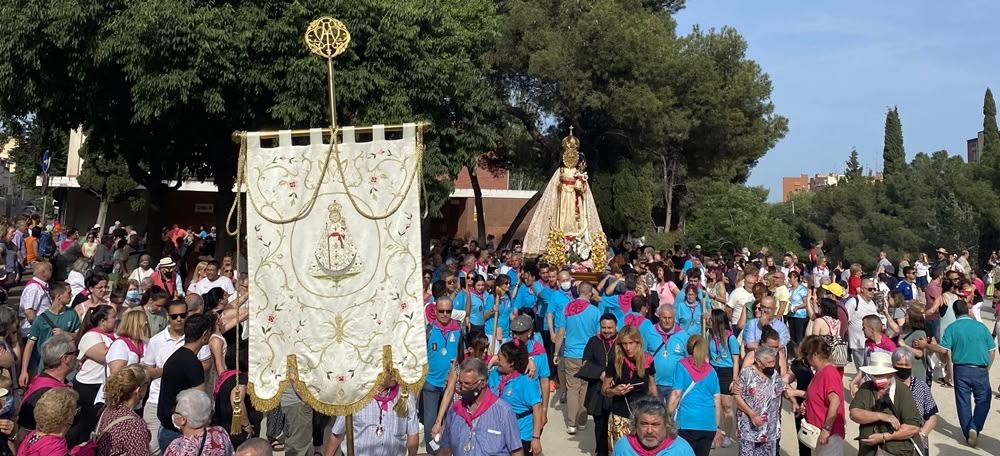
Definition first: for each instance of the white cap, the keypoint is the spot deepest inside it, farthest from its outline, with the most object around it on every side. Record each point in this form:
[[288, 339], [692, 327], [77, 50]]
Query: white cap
[[96, 227]]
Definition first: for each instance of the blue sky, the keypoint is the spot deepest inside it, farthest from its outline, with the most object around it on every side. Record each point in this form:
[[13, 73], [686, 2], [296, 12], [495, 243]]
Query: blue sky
[[837, 66]]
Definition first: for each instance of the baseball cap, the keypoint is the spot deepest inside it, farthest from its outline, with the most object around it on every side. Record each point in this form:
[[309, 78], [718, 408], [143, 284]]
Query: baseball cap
[[521, 323]]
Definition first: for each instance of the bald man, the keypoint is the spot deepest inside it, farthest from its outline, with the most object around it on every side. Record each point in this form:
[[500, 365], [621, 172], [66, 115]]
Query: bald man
[[35, 298], [255, 447]]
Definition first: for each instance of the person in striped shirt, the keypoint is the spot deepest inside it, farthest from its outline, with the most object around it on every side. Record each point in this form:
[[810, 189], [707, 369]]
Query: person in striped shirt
[[387, 426]]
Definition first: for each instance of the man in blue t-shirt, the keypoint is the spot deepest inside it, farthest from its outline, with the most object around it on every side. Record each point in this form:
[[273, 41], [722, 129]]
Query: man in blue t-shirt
[[655, 433], [582, 322], [442, 348], [671, 348]]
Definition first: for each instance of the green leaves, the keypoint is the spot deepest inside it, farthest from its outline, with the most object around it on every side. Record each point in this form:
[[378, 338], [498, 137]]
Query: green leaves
[[893, 155]]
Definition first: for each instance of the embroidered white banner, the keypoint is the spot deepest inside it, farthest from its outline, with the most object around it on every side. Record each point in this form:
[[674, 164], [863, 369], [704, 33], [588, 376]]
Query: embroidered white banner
[[334, 264]]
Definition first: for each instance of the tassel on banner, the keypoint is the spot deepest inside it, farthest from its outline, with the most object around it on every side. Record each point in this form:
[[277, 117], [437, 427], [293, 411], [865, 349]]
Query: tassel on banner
[[237, 423]]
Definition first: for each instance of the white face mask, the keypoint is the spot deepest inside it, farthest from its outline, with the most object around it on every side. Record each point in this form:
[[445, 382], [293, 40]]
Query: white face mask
[[566, 286]]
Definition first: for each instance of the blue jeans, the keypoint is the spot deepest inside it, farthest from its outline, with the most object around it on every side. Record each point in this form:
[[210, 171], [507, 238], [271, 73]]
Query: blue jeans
[[664, 393], [430, 400], [933, 328], [165, 437], [974, 381]]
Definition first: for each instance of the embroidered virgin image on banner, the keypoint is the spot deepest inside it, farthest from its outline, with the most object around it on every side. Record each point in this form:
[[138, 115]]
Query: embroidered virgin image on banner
[[333, 249]]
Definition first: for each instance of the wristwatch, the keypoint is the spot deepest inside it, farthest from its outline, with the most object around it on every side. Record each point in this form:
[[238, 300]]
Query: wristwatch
[[828, 427]]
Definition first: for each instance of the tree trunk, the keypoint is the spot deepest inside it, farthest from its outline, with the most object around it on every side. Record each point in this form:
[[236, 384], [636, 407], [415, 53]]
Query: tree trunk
[[102, 212], [477, 193], [154, 213], [516, 223], [669, 173]]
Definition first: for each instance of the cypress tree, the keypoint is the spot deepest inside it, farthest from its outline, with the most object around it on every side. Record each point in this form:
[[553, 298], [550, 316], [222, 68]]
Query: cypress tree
[[854, 172], [991, 137], [893, 156]]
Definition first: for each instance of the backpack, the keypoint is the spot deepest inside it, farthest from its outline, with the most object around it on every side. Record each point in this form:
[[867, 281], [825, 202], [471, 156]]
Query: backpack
[[46, 246]]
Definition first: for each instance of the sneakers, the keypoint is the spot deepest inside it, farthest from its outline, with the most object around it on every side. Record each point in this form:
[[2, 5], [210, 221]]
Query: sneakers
[[726, 441], [582, 427], [571, 430], [973, 438]]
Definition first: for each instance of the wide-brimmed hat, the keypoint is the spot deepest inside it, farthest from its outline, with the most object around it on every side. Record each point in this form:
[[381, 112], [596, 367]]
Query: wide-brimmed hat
[[879, 363], [167, 262], [942, 251], [834, 288]]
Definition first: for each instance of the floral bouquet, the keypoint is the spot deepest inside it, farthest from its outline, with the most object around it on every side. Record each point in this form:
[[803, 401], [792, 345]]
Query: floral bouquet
[[576, 252]]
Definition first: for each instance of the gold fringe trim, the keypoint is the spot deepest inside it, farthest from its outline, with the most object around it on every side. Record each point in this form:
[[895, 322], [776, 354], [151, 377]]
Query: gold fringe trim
[[292, 376]]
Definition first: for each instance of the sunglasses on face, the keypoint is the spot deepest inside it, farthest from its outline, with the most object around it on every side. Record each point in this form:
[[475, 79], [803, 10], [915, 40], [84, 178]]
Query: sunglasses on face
[[444, 311], [871, 289], [178, 316]]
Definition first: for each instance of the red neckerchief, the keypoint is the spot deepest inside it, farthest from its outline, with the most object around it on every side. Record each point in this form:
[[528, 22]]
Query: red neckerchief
[[634, 319], [625, 301], [222, 379], [135, 347], [105, 334], [487, 399], [664, 335], [696, 373], [647, 360], [505, 379], [534, 349], [633, 441], [576, 306], [445, 329], [384, 399]]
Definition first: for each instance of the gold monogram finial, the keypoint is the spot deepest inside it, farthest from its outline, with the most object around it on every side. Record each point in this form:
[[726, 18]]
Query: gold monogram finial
[[571, 150], [327, 37]]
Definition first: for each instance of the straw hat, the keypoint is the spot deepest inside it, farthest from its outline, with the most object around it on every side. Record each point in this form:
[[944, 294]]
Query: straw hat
[[167, 262]]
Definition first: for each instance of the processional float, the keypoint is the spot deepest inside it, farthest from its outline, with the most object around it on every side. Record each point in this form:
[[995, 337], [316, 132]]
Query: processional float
[[333, 252]]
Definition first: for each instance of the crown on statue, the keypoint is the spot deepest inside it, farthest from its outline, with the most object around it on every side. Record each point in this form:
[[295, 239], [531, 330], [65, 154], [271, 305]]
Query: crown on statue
[[571, 150]]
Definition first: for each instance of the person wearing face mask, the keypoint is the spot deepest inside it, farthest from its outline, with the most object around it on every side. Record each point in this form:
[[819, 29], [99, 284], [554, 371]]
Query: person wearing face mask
[[554, 299], [758, 418], [903, 360], [480, 423], [884, 410]]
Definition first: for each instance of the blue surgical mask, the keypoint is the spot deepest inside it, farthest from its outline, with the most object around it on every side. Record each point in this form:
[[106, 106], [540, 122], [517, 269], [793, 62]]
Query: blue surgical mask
[[133, 295]]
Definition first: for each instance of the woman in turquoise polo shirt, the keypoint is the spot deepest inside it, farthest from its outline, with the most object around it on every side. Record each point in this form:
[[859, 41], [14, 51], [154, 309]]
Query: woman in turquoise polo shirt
[[696, 399], [510, 382], [724, 356]]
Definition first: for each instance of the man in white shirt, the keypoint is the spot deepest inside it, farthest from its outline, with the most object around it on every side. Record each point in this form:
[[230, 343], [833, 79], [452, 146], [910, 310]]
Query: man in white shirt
[[858, 308], [160, 347], [737, 303], [213, 280]]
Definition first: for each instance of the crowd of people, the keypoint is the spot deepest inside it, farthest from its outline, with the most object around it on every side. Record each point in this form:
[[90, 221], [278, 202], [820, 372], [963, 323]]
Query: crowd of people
[[111, 350], [678, 352], [670, 352]]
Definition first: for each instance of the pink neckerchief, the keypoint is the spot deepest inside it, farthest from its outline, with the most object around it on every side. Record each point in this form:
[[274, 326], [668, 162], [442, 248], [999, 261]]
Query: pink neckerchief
[[505, 379], [664, 335], [105, 334], [478, 295], [625, 301], [634, 319], [487, 400], [42, 382], [718, 342], [445, 329], [222, 379], [40, 283], [576, 306], [534, 349], [647, 360], [633, 441], [137, 348], [609, 342], [384, 399], [696, 373]]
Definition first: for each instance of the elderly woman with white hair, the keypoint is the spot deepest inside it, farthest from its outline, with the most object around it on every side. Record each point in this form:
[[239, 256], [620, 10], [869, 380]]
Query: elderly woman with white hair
[[192, 415], [758, 418], [903, 360]]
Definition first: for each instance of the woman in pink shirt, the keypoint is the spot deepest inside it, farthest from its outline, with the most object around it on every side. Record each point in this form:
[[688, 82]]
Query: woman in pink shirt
[[665, 287], [824, 397]]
